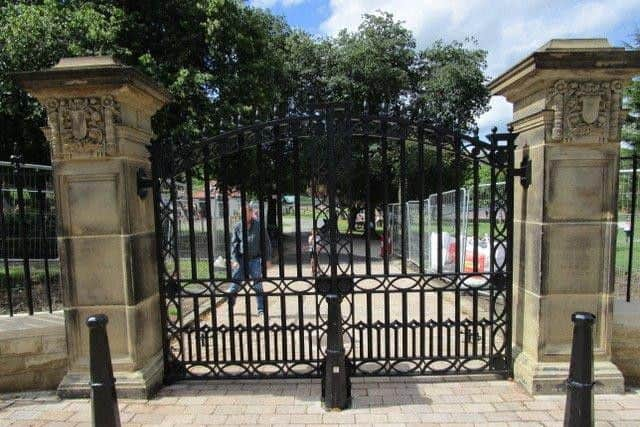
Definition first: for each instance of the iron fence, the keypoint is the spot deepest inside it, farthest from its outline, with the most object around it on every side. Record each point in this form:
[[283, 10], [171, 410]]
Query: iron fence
[[627, 264], [30, 271]]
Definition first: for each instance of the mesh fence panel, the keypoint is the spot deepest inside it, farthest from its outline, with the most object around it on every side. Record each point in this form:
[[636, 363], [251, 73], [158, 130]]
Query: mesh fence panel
[[430, 224]]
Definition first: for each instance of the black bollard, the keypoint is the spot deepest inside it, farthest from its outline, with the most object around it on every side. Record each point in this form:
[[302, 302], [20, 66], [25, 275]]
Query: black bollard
[[335, 382], [579, 406], [104, 402]]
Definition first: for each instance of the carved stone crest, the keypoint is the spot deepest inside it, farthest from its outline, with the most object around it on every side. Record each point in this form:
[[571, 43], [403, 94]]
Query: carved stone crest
[[585, 110], [82, 127]]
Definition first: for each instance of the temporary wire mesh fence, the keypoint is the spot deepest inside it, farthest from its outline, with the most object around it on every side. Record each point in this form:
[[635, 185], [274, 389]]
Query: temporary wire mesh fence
[[430, 235], [30, 272]]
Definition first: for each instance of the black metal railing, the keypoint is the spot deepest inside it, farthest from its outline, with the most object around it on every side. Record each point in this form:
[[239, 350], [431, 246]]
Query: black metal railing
[[29, 273], [627, 259]]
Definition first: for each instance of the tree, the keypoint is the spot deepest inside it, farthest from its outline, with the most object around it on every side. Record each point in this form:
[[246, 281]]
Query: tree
[[372, 64], [449, 84], [35, 35], [631, 129], [207, 53]]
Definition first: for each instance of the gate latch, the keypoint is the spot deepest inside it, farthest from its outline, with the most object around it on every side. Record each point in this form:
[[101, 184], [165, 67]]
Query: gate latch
[[524, 172], [144, 183]]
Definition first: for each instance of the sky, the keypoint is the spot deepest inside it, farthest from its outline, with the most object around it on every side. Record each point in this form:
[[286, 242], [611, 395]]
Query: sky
[[508, 29]]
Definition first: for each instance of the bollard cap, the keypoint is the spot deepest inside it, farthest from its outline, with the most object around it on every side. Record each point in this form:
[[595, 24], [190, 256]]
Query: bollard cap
[[97, 320], [583, 317]]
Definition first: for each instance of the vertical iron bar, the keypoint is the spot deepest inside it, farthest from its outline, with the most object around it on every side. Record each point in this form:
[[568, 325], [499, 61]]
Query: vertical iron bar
[[632, 226], [333, 218], [457, 167], [440, 321], [177, 285], [367, 201], [19, 182], [40, 195], [421, 202], [225, 215], [439, 143], [476, 208], [405, 324], [296, 192], [369, 325], [245, 279], [210, 256], [5, 252], [301, 327], [422, 321], [492, 231], [263, 230], [279, 161], [207, 212], [192, 233], [403, 199], [385, 197]]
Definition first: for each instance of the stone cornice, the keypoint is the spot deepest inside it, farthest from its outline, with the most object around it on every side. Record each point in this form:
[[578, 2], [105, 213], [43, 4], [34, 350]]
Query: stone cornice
[[89, 74], [551, 62]]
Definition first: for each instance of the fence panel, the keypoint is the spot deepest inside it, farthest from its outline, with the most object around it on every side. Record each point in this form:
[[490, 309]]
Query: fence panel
[[30, 270]]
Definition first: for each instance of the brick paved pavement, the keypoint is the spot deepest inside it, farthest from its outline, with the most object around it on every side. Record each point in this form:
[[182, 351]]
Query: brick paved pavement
[[380, 402]]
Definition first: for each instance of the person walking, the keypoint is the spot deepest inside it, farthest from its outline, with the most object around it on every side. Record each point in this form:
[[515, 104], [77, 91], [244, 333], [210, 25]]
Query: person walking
[[249, 259]]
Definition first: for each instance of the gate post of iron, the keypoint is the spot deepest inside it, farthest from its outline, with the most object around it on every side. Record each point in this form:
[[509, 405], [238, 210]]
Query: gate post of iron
[[336, 383], [567, 112], [99, 127]]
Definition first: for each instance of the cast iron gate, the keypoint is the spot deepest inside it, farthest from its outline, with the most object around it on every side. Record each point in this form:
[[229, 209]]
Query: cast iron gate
[[351, 179]]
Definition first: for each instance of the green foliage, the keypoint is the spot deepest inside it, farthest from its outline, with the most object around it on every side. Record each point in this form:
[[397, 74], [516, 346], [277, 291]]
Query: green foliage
[[450, 84], [34, 35], [372, 64], [631, 129], [219, 58]]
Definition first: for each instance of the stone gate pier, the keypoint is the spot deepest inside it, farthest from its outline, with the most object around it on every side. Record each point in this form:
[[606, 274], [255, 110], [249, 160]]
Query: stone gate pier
[[99, 123], [567, 108]]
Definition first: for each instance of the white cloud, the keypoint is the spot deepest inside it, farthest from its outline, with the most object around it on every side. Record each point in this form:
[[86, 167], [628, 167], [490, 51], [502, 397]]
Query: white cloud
[[509, 30], [499, 114]]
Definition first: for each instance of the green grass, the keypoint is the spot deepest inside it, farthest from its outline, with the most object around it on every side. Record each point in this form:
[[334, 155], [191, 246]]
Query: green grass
[[16, 273], [622, 251]]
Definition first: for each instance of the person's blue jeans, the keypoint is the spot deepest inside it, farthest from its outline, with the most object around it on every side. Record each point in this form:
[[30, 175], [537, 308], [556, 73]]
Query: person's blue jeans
[[255, 272]]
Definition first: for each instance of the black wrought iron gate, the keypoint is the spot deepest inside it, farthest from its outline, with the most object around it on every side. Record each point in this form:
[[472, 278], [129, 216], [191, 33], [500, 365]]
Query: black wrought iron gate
[[413, 220]]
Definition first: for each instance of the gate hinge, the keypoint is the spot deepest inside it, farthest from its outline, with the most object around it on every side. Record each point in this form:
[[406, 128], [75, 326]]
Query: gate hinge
[[524, 172], [144, 183]]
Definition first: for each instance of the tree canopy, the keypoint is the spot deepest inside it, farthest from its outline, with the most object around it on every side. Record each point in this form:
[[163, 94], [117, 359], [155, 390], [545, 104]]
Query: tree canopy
[[221, 58], [631, 129]]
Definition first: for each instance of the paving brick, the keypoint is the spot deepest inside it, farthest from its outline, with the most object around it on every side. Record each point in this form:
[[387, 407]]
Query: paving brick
[[632, 414], [478, 407], [502, 416], [208, 419], [252, 403], [148, 418], [534, 416], [291, 409]]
